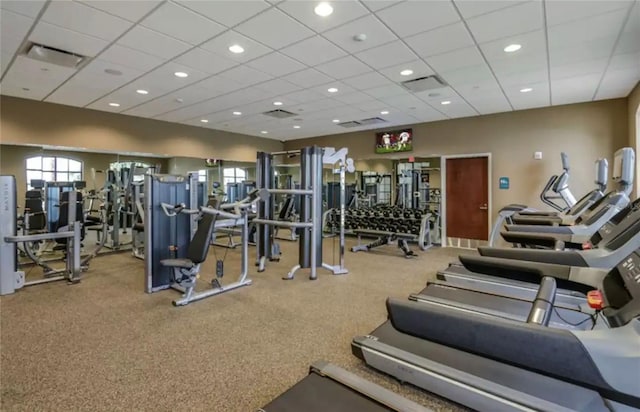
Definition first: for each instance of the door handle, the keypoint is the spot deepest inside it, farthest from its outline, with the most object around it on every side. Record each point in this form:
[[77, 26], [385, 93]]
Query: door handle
[[484, 207]]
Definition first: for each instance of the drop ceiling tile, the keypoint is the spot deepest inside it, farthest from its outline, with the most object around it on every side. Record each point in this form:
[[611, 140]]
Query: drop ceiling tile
[[488, 105], [420, 69], [625, 61], [261, 28], [523, 78], [375, 5], [477, 90], [28, 74], [559, 12], [245, 75], [132, 10], [579, 69], [604, 26], [435, 96], [278, 86], [302, 96], [538, 97], [628, 42], [126, 97], [205, 61], [344, 67], [60, 38], [386, 91], [317, 105], [228, 13], [353, 98], [512, 67], [367, 81], [342, 89], [182, 24], [220, 45], [457, 109], [217, 85], [94, 72], [276, 64], [130, 58], [431, 42], [162, 79], [343, 11], [390, 54], [14, 29], [472, 8], [376, 32], [457, 59], [154, 43], [5, 59], [575, 89], [156, 107], [586, 51], [86, 20], [413, 17], [26, 8], [471, 75], [618, 83], [427, 114], [533, 44], [313, 51], [507, 22], [403, 102], [307, 78]]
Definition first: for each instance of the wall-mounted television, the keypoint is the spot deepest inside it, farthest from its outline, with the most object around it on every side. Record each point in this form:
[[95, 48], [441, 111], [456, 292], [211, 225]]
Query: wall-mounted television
[[394, 141]]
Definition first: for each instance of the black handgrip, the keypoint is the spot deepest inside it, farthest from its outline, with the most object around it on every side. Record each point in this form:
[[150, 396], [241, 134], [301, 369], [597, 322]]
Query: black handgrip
[[543, 304]]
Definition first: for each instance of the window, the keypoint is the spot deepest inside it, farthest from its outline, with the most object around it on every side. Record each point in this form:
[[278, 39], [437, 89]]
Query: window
[[53, 169], [202, 175], [233, 175]]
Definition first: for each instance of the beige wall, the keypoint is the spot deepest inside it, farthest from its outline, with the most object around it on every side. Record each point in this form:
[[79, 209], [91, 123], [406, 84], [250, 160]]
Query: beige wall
[[633, 107], [585, 131], [12, 162], [32, 122]]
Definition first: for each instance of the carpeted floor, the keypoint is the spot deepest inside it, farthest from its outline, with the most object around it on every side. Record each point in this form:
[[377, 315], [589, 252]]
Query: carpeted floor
[[105, 345]]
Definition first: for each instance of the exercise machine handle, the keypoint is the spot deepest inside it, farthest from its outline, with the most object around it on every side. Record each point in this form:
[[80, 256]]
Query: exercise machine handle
[[172, 210], [543, 304]]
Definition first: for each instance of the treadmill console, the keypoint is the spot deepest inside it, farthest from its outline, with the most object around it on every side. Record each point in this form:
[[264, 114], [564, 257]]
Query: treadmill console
[[621, 287]]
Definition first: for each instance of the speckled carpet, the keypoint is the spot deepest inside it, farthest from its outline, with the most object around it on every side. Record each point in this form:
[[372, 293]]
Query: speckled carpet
[[105, 345]]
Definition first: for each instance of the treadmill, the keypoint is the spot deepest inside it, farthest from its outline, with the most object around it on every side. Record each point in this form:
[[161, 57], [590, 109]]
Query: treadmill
[[331, 388], [490, 363], [599, 213], [576, 271], [584, 205]]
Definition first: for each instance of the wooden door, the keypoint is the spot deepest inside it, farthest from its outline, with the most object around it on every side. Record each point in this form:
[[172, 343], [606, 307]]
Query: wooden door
[[467, 198]]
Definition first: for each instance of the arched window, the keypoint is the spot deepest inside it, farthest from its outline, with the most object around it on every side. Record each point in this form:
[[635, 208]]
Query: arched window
[[53, 169]]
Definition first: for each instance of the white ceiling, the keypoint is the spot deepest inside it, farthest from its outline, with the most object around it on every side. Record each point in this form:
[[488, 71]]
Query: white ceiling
[[572, 51]]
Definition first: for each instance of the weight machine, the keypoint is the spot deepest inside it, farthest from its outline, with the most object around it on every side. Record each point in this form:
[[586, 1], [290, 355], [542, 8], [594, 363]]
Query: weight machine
[[310, 224]]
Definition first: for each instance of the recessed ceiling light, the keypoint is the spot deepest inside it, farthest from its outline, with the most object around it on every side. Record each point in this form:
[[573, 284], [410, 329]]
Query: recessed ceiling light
[[237, 113], [204, 120], [179, 100], [384, 112], [141, 91], [336, 121], [264, 132], [323, 9], [236, 48], [332, 90], [277, 103], [512, 48], [181, 74], [526, 90], [407, 72], [114, 104], [445, 102], [296, 127]]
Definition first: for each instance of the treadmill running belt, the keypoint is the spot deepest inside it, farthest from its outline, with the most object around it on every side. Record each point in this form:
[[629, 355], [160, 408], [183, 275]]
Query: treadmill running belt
[[319, 393], [514, 308], [543, 387]]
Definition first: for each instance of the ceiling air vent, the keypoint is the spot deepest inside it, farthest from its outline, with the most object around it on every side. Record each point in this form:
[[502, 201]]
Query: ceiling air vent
[[371, 120], [424, 83], [54, 56], [279, 114], [349, 124]]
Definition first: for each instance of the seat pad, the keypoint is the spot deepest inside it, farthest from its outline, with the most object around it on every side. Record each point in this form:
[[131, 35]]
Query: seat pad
[[179, 263]]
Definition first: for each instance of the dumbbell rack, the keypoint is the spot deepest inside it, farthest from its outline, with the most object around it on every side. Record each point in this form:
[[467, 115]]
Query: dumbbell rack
[[410, 224]]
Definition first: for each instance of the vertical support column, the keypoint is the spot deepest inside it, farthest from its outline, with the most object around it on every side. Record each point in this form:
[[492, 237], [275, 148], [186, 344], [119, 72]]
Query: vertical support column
[[264, 178], [315, 210], [192, 179], [8, 227], [304, 243], [342, 210]]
